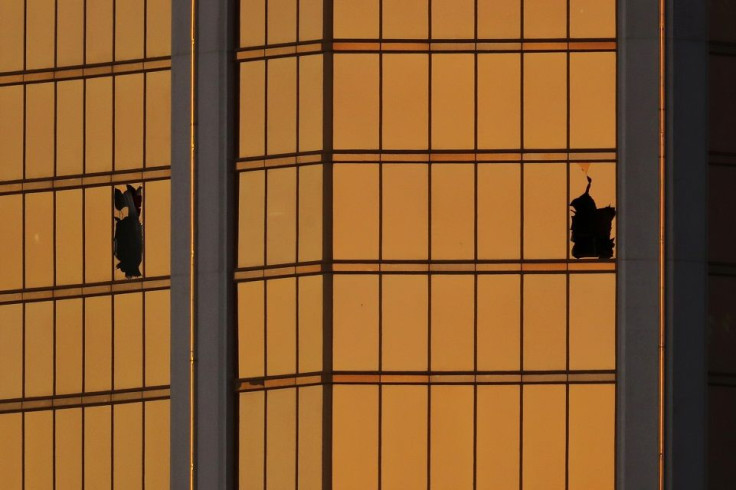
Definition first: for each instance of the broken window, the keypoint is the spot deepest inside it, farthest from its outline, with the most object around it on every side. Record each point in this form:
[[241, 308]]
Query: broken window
[[128, 240], [591, 227]]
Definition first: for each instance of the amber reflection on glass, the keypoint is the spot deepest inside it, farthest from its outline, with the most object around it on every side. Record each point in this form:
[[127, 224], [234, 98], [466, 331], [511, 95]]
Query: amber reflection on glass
[[405, 203], [11, 213], [405, 19], [452, 322], [497, 437], [499, 211], [252, 108], [11, 35], [69, 251], [404, 438], [129, 29], [451, 433], [355, 335], [281, 105], [310, 324], [310, 102], [498, 319], [11, 452], [592, 437], [281, 326], [156, 444], [128, 122], [158, 118], [68, 444], [355, 437], [281, 438], [310, 19], [97, 446], [310, 213], [158, 29], [593, 100], [499, 102], [39, 130], [158, 334], [69, 127], [499, 19], [453, 224], [38, 450], [404, 322], [405, 99], [99, 30], [11, 130], [251, 216], [251, 438], [543, 454], [70, 32], [592, 326], [356, 19], [453, 19], [281, 22], [69, 346], [127, 445], [544, 322], [281, 216], [355, 100], [545, 211], [545, 99], [355, 211], [251, 331], [98, 127], [453, 105], [545, 18], [39, 349], [592, 18], [39, 239], [40, 30], [157, 216], [128, 333], [310, 437], [11, 353], [98, 343], [97, 238]]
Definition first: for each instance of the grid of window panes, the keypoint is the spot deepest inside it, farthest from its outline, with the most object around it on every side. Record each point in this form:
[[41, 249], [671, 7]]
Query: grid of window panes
[[408, 286], [721, 251], [84, 352]]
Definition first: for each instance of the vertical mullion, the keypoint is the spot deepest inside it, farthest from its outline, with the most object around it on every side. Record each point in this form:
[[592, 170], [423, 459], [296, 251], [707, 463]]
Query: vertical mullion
[[53, 242], [84, 226], [567, 246], [475, 244], [521, 249], [297, 169], [380, 245], [23, 241]]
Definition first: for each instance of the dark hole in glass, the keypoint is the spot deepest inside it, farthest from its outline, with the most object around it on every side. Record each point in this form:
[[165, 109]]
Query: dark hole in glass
[[591, 227], [128, 241]]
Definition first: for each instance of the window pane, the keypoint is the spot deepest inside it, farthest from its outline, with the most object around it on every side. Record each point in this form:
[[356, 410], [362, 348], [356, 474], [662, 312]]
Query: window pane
[[40, 29], [355, 437], [453, 19], [97, 446], [252, 22], [310, 324], [545, 211], [128, 333], [128, 445], [128, 122], [545, 100], [592, 321], [252, 108], [355, 211], [281, 438], [451, 456], [544, 322], [99, 31], [499, 211], [39, 450], [499, 19], [356, 19], [68, 446], [70, 32], [310, 213], [405, 220], [404, 438], [592, 18], [356, 101], [499, 322], [310, 102], [69, 145], [157, 215], [98, 127], [98, 234], [497, 432], [545, 18], [158, 335], [453, 216], [156, 440], [281, 99], [11, 127], [405, 19], [11, 355], [129, 29], [310, 438], [97, 344], [404, 329], [251, 217], [499, 101], [281, 223], [158, 118], [39, 232], [281, 21], [11, 35], [592, 436], [39, 130], [69, 252], [158, 28], [452, 322], [251, 441], [11, 452], [355, 336], [453, 104], [543, 458], [69, 354], [405, 112], [39, 349], [281, 326], [593, 100], [11, 213], [310, 19], [251, 329]]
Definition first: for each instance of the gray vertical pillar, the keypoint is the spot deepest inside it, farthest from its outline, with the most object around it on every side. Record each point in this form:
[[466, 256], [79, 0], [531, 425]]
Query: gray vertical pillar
[[214, 246], [687, 122], [638, 246]]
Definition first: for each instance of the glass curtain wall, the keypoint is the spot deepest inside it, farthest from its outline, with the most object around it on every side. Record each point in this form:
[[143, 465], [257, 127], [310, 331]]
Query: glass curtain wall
[[410, 312], [84, 351]]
